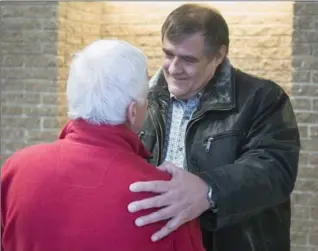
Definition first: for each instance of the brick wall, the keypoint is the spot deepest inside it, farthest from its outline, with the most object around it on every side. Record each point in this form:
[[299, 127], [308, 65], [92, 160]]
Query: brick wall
[[277, 40], [255, 45], [305, 102], [79, 24], [28, 74]]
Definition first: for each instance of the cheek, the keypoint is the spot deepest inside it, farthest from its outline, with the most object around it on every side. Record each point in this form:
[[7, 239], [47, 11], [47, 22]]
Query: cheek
[[191, 71], [166, 64], [142, 112]]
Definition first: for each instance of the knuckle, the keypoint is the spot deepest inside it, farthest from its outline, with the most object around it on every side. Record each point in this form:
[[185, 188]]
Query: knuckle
[[168, 229], [157, 202], [155, 216], [149, 203], [145, 204], [156, 186]]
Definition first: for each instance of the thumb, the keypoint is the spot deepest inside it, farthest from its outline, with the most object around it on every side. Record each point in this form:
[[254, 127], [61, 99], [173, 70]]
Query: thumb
[[168, 167]]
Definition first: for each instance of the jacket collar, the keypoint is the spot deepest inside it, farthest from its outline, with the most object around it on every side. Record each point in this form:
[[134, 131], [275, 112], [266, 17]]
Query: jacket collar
[[219, 94], [117, 137]]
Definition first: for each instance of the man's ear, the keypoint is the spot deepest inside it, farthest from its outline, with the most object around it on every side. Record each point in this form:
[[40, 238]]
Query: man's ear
[[220, 55], [131, 113]]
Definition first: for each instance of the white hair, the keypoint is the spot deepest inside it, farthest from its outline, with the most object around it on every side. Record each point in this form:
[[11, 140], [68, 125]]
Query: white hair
[[104, 78]]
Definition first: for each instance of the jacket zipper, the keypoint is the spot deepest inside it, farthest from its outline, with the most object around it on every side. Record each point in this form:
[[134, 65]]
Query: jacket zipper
[[160, 139], [218, 136], [190, 124], [208, 145]]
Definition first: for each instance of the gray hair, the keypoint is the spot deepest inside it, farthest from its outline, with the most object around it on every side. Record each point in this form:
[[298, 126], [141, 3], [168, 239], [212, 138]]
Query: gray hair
[[104, 78]]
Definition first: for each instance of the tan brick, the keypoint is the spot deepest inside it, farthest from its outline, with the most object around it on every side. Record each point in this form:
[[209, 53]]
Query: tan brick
[[256, 52], [73, 39], [248, 7], [62, 10], [89, 39], [124, 9], [133, 30], [260, 63], [91, 29], [254, 30], [90, 7], [62, 73], [264, 19], [74, 15], [60, 61]]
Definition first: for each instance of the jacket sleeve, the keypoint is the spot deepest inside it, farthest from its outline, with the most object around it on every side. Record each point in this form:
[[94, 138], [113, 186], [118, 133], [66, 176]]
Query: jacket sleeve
[[265, 173]]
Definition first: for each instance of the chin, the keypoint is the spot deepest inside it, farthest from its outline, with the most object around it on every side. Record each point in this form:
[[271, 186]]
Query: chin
[[177, 88], [176, 93]]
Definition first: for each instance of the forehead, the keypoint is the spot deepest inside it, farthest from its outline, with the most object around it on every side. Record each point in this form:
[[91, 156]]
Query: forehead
[[193, 45]]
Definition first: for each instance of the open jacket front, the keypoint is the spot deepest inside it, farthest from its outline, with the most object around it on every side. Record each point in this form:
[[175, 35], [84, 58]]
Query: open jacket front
[[243, 140]]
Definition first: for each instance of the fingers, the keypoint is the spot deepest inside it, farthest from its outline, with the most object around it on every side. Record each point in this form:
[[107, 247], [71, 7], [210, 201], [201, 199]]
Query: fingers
[[171, 226], [150, 186], [168, 167], [159, 215], [153, 202]]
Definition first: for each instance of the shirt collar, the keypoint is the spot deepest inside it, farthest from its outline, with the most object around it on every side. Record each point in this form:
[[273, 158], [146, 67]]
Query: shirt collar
[[197, 96]]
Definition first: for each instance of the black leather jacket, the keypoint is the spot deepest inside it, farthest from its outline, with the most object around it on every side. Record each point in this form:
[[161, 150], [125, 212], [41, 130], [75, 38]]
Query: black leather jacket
[[243, 141]]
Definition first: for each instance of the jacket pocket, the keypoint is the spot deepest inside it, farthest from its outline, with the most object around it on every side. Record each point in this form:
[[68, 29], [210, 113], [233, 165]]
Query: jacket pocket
[[218, 149], [207, 142]]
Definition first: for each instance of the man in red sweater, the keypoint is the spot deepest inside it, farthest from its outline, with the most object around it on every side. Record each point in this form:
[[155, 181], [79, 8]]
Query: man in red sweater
[[72, 194]]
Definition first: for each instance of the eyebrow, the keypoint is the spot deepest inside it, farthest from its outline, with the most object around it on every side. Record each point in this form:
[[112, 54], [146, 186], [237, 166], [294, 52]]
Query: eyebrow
[[186, 57]]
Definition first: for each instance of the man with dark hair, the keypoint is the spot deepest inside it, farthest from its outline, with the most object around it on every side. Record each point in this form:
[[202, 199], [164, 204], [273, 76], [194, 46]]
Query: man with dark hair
[[229, 140]]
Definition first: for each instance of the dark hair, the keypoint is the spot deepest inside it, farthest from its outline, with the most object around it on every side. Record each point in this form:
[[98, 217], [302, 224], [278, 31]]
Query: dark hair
[[190, 19]]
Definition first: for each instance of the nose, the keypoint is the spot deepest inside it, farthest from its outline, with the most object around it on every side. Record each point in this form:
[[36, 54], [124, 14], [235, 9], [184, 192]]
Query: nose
[[175, 66]]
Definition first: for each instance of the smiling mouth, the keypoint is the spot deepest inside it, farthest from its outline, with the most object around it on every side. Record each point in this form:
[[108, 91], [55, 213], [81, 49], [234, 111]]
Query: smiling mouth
[[179, 79]]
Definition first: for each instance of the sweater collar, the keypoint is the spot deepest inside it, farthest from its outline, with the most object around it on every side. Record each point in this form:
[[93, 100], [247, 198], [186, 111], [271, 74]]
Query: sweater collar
[[116, 137]]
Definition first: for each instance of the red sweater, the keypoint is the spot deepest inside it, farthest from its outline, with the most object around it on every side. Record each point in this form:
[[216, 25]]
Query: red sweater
[[73, 194]]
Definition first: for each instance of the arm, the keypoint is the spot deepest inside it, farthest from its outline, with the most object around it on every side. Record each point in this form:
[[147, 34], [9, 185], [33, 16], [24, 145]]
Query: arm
[[265, 173]]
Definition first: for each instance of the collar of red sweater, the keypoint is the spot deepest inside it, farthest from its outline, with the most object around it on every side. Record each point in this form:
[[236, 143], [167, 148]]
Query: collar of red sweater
[[103, 136]]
